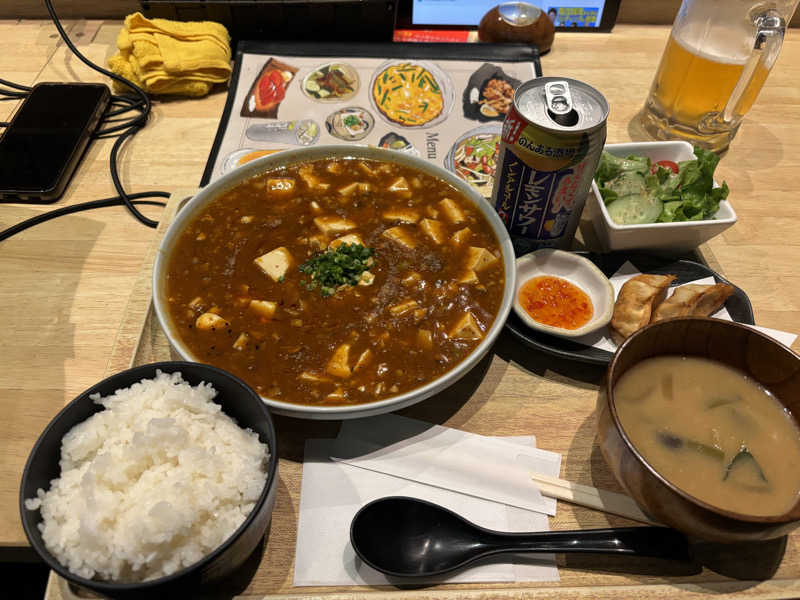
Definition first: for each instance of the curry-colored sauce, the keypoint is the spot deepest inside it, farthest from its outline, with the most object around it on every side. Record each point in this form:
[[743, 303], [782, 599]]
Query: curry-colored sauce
[[435, 287], [556, 302]]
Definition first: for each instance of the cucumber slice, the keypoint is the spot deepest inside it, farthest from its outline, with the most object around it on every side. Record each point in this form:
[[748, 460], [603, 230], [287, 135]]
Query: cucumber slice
[[635, 209]]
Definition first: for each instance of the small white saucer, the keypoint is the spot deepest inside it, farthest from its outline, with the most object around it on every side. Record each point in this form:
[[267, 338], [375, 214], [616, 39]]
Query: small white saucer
[[580, 272]]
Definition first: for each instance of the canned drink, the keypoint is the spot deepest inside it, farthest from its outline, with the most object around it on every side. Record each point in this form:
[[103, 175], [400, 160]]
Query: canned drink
[[551, 143]]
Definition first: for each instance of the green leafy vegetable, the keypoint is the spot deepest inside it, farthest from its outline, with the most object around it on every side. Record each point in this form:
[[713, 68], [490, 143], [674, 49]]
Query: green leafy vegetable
[[688, 195], [674, 442], [352, 121], [335, 268], [745, 459]]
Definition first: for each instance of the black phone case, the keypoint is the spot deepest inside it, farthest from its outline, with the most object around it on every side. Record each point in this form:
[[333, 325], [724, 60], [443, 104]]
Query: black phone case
[[52, 194]]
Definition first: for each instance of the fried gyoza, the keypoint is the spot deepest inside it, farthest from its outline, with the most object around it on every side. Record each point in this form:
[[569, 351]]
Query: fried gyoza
[[693, 300], [637, 299]]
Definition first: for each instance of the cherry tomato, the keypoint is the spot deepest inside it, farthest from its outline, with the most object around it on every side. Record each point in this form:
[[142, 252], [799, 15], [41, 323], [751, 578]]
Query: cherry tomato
[[667, 164]]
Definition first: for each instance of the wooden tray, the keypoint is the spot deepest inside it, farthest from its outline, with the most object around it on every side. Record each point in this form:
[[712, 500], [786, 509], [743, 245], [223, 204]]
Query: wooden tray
[[513, 391]]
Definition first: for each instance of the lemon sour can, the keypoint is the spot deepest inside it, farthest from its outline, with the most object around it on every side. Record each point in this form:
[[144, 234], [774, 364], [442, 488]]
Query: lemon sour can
[[552, 139]]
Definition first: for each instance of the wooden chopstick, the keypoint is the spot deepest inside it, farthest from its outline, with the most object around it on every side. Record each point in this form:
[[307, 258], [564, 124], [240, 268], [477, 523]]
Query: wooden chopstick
[[585, 495]]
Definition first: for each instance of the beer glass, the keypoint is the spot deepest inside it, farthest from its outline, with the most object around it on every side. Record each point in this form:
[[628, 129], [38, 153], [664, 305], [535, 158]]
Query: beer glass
[[717, 58]]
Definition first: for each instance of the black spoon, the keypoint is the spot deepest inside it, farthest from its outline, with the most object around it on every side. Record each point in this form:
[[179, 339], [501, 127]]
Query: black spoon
[[406, 537]]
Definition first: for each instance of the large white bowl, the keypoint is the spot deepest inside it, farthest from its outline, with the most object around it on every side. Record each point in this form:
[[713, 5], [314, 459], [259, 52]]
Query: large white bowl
[[674, 237], [230, 180]]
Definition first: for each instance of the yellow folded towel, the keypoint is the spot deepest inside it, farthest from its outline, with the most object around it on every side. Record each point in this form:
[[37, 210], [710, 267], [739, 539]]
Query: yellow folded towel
[[172, 57]]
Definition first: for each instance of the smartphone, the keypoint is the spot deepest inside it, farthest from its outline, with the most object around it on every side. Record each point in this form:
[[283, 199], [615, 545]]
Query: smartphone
[[44, 142]]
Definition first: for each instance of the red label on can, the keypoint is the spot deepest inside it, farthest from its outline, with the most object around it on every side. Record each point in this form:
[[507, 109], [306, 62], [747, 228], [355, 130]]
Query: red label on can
[[512, 126]]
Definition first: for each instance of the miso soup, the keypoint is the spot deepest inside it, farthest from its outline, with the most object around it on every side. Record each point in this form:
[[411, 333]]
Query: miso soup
[[712, 432]]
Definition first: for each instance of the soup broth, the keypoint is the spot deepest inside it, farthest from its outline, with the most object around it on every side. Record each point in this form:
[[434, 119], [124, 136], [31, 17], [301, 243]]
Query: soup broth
[[713, 432]]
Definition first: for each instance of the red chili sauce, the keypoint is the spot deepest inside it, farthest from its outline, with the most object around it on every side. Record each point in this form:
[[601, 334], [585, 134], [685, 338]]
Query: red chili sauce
[[556, 302]]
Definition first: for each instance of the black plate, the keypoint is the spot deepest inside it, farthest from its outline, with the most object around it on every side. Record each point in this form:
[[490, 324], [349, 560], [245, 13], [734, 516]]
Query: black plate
[[738, 304]]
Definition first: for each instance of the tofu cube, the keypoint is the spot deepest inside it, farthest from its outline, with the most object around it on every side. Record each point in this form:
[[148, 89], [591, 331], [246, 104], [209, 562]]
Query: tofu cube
[[280, 186], [241, 341], [479, 258], [363, 361], [461, 236], [275, 263], [350, 238], [366, 278], [452, 211], [210, 321], [412, 279], [349, 189], [339, 364], [311, 180], [263, 308], [434, 230], [337, 395], [313, 377], [401, 236], [469, 277], [318, 241], [398, 310], [366, 169], [467, 328], [425, 339], [333, 224], [401, 215], [399, 185]]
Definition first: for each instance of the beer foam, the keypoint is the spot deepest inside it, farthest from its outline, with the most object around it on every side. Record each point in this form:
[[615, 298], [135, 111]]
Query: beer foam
[[720, 43]]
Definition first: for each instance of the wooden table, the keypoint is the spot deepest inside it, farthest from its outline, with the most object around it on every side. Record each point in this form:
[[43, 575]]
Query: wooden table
[[70, 292]]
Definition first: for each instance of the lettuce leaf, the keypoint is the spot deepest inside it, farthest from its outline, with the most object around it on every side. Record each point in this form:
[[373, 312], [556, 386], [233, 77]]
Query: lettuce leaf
[[688, 195], [611, 166]]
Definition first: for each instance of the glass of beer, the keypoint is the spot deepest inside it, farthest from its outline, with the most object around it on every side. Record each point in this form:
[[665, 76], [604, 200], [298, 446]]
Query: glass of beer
[[717, 59]]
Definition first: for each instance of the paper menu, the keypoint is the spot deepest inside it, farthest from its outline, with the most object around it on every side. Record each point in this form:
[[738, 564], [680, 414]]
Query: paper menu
[[332, 492]]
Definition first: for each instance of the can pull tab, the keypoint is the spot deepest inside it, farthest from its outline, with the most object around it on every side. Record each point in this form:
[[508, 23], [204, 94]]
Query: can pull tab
[[559, 103]]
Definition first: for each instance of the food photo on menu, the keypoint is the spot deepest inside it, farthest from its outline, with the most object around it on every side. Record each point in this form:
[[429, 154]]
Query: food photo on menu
[[433, 318]]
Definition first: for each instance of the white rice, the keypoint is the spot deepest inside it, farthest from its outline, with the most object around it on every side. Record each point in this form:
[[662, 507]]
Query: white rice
[[151, 484]]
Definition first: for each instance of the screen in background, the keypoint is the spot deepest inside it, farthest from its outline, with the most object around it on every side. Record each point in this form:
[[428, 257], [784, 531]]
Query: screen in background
[[580, 13]]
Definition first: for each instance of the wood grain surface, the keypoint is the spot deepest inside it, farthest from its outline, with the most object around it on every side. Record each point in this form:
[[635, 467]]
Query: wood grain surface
[[74, 297]]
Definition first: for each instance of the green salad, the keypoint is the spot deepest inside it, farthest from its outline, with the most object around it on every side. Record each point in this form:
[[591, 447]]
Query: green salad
[[637, 191]]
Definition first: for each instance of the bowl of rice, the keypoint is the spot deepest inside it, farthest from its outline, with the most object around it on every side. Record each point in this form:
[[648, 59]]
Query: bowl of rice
[[156, 481]]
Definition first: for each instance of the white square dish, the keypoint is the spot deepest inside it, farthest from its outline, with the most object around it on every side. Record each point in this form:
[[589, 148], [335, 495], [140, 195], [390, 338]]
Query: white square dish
[[674, 237]]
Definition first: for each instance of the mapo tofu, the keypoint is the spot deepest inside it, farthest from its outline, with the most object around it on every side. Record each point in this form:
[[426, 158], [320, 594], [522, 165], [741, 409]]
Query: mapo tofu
[[339, 281]]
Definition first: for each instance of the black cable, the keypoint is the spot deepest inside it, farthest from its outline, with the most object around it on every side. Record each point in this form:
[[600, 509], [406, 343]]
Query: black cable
[[133, 126], [125, 128], [4, 123], [12, 94], [115, 177], [66, 210], [11, 84], [143, 95]]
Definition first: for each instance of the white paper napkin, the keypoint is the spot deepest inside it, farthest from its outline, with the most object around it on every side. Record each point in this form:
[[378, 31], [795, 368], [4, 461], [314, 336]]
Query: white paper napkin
[[488, 468], [602, 338], [332, 492]]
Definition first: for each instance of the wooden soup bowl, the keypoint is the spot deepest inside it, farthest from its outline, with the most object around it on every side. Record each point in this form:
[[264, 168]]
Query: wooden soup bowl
[[766, 361]]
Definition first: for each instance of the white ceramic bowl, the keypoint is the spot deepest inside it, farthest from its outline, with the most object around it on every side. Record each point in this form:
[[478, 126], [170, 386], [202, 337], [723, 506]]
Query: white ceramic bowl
[[580, 272], [673, 237], [230, 180]]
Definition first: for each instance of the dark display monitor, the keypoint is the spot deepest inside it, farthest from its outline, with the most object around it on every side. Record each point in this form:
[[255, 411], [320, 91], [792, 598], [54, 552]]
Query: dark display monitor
[[567, 15]]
